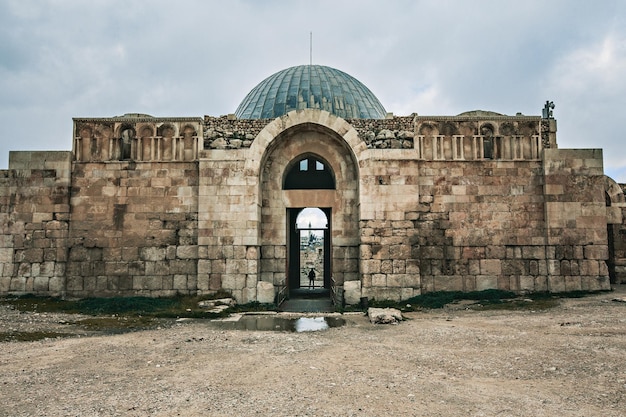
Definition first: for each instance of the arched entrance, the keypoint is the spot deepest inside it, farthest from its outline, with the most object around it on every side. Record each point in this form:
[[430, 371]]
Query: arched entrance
[[308, 166]]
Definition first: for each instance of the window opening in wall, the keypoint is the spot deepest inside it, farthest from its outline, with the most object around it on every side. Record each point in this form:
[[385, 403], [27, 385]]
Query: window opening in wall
[[438, 147], [126, 143], [488, 148], [309, 173], [458, 150]]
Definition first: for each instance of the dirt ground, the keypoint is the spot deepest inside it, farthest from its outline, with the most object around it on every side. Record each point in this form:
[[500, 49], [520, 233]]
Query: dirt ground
[[566, 361]]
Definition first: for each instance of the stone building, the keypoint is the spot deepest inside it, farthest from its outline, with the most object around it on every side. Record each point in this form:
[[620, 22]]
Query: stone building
[[159, 206]]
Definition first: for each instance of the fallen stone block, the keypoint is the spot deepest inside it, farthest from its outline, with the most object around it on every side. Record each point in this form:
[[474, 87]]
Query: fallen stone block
[[384, 315]]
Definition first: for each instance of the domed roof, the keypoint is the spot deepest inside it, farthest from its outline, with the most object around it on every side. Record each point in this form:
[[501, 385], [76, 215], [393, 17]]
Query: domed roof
[[312, 87]]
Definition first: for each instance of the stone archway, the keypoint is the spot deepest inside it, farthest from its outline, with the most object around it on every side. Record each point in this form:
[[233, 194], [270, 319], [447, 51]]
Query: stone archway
[[289, 146]]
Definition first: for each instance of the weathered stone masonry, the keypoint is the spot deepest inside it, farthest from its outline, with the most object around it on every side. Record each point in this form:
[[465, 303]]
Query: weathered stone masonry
[[162, 206]]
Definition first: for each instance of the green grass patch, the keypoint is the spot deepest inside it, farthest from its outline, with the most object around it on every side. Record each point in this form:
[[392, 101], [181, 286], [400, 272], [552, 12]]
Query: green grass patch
[[484, 300], [170, 307]]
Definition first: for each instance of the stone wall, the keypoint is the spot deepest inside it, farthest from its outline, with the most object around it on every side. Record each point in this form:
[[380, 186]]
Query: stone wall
[[389, 195], [133, 229], [228, 226], [418, 205], [576, 222], [34, 214]]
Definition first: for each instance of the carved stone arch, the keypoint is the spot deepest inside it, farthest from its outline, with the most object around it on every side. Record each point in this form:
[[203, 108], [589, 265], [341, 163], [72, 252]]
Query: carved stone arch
[[188, 133], [427, 129], [145, 142], [167, 132], [126, 135], [528, 128], [507, 129], [487, 129], [303, 119], [613, 191], [103, 134], [188, 130], [145, 131], [468, 128], [277, 148], [84, 131], [449, 129]]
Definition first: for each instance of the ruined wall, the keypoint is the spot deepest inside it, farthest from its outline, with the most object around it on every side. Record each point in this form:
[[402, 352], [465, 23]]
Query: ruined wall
[[576, 222], [389, 197], [133, 229], [34, 218], [228, 226], [481, 226]]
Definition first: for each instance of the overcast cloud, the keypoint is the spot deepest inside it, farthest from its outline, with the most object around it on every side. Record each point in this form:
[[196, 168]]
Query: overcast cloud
[[70, 58]]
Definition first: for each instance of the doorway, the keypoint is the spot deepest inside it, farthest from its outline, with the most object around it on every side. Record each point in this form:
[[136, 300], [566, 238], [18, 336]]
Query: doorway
[[309, 268]]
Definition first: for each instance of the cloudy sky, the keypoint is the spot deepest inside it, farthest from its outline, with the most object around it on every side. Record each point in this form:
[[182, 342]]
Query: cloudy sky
[[71, 58]]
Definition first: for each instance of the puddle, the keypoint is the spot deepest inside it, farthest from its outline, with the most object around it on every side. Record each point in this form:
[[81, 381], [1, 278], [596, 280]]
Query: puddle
[[280, 324]]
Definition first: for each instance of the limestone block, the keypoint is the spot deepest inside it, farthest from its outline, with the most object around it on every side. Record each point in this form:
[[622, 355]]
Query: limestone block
[[265, 292], [409, 292], [596, 252], [384, 315], [386, 266], [573, 283], [204, 266], [527, 283], [40, 284], [152, 254], [541, 283], [170, 252], [233, 281], [448, 283], [153, 282], [533, 252], [75, 283], [556, 284], [138, 283], [192, 282], [486, 283], [370, 266], [6, 255], [413, 267], [490, 267], [352, 292], [378, 280], [533, 268], [180, 282], [554, 267], [187, 252], [5, 284]]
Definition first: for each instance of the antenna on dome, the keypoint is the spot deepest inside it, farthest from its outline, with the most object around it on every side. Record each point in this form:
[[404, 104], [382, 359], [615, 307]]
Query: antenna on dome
[[311, 49]]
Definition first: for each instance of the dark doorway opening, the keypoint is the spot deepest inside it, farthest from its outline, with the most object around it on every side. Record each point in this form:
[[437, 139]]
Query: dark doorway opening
[[610, 263], [309, 268]]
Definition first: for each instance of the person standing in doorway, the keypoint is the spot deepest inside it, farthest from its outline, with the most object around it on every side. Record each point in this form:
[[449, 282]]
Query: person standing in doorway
[[311, 278]]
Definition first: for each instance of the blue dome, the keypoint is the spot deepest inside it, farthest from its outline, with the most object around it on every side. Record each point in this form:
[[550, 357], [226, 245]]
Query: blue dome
[[310, 87]]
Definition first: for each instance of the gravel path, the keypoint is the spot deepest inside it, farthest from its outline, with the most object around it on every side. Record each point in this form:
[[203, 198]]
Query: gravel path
[[566, 361]]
